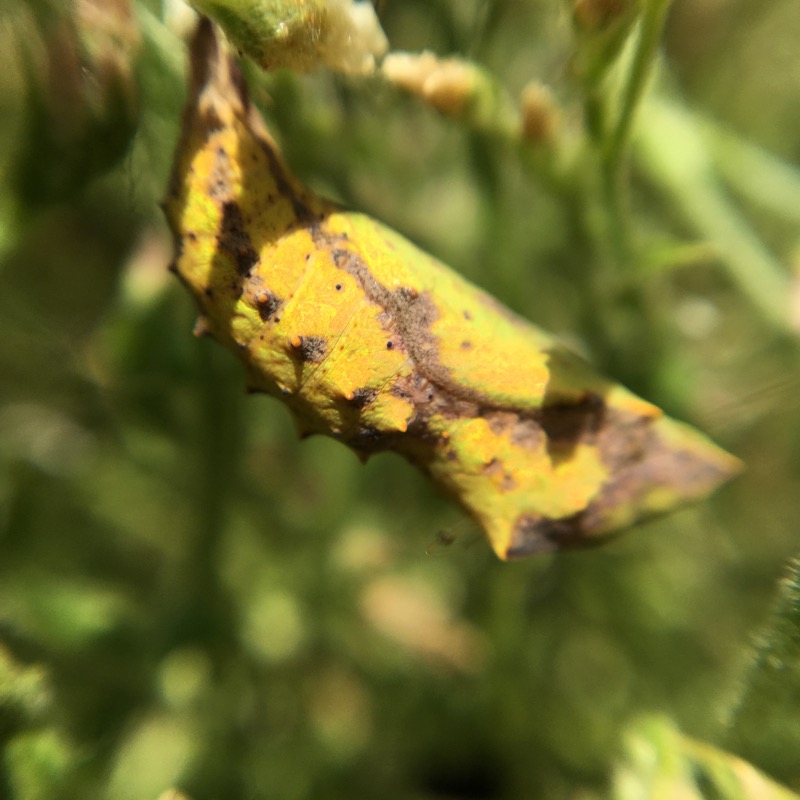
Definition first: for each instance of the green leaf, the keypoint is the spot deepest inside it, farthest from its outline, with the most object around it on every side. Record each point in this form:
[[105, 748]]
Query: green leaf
[[661, 763]]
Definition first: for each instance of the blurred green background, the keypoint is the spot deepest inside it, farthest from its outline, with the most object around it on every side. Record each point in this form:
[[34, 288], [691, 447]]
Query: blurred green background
[[189, 597]]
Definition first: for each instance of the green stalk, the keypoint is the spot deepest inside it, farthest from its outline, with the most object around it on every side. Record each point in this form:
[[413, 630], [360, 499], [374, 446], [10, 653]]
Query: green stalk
[[615, 142], [651, 26]]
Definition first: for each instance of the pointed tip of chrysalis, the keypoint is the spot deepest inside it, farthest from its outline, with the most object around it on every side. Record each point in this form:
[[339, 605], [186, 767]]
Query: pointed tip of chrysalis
[[214, 75], [204, 55], [673, 466]]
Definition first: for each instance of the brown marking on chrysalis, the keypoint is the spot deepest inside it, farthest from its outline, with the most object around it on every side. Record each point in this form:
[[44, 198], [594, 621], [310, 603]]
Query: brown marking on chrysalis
[[637, 459], [535, 534], [221, 178], [526, 433], [624, 438], [369, 440], [640, 460], [406, 294], [267, 304], [234, 239], [211, 120], [407, 313], [496, 471], [522, 429], [311, 349], [417, 389], [361, 397], [340, 255], [500, 422]]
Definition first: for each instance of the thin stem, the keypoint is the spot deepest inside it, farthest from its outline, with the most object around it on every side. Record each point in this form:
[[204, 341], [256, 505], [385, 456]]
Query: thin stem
[[651, 26]]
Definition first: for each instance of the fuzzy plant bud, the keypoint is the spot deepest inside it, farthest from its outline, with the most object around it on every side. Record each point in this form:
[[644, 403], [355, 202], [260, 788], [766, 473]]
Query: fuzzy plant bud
[[341, 35], [541, 118], [453, 86]]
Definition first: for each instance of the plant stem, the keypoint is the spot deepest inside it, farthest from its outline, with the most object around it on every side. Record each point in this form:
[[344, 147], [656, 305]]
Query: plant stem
[[614, 143], [651, 26]]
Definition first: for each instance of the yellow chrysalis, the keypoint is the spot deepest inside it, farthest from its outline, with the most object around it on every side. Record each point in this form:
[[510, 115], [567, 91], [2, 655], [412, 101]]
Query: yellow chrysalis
[[371, 341]]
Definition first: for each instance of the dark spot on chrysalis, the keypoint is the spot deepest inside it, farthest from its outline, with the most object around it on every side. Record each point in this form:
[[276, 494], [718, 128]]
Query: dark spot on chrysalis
[[311, 349], [367, 439], [338, 287], [465, 345], [535, 534], [234, 239], [212, 121], [389, 344], [467, 315], [407, 295], [569, 424], [220, 180], [342, 258], [267, 304], [362, 397]]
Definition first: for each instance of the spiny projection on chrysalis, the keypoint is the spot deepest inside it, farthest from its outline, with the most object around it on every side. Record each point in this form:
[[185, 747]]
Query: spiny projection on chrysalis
[[373, 342]]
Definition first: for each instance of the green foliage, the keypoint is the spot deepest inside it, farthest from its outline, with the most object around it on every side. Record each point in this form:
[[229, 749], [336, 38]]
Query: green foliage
[[660, 763], [763, 724], [191, 598]]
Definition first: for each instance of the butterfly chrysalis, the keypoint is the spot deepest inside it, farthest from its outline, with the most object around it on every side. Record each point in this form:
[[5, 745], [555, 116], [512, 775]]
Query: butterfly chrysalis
[[379, 345]]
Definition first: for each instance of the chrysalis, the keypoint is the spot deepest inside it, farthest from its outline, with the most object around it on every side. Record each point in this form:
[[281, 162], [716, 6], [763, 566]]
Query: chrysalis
[[375, 343]]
